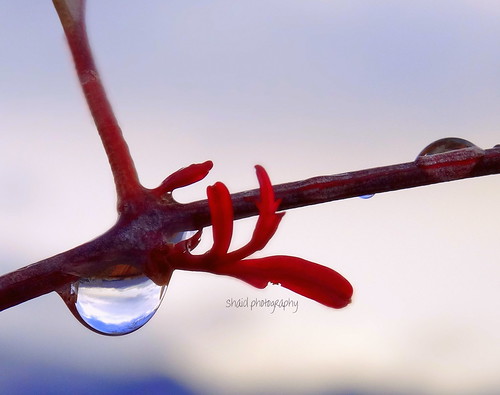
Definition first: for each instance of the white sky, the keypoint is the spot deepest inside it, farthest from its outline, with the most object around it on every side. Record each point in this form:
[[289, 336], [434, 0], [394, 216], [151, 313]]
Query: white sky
[[304, 88]]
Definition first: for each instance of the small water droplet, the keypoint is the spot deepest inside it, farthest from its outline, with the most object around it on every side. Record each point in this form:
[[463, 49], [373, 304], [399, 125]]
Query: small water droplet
[[449, 158], [446, 144], [182, 236], [367, 196], [118, 304]]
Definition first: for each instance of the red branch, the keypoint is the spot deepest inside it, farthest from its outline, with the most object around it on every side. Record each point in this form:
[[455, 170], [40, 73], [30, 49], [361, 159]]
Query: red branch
[[128, 188], [434, 169], [46, 276]]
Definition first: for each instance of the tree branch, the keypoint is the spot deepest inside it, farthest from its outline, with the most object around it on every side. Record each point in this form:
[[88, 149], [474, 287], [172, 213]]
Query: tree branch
[[91, 258], [425, 170]]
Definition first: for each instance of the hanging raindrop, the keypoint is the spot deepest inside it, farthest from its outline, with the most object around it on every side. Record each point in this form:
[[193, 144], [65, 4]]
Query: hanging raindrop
[[367, 196], [115, 306], [118, 304]]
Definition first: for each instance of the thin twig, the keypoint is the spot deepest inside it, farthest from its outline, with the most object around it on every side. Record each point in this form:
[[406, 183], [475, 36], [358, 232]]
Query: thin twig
[[128, 188], [434, 169]]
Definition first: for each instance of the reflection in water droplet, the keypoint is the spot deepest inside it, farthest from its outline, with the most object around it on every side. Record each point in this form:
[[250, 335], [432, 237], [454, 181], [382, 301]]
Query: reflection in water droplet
[[118, 304], [367, 196]]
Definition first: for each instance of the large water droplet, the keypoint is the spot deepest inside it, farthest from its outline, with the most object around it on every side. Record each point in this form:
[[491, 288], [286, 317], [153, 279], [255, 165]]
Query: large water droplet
[[118, 304]]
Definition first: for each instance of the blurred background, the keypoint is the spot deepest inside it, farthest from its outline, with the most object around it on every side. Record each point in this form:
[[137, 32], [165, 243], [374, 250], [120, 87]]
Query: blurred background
[[304, 88]]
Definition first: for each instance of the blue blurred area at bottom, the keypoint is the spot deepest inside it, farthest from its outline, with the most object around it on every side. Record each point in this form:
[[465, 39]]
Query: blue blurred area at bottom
[[76, 384]]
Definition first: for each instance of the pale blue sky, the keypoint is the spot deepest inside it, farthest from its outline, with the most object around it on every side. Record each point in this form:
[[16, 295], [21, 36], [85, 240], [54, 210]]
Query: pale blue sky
[[304, 88]]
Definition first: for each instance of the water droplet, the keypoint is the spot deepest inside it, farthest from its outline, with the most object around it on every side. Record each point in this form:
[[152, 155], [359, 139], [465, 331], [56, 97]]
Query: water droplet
[[446, 145], [118, 304], [450, 158], [367, 196]]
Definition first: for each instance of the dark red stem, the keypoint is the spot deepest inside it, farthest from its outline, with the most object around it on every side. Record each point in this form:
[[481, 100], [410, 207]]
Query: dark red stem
[[440, 168], [128, 188], [33, 281], [46, 276]]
